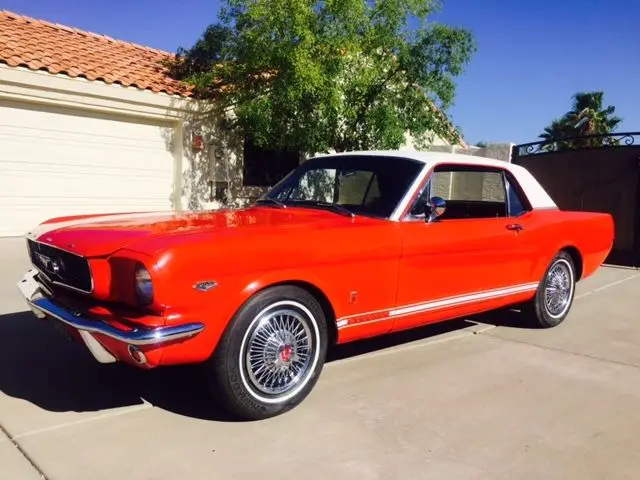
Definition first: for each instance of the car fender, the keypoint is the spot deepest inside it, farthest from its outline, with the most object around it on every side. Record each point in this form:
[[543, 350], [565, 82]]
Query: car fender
[[544, 259], [265, 280]]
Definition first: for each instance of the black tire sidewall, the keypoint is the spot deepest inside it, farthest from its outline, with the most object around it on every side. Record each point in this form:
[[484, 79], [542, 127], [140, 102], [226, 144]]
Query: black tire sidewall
[[229, 382], [543, 318]]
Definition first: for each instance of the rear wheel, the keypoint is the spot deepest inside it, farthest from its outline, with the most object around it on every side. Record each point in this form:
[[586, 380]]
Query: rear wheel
[[271, 355], [555, 294]]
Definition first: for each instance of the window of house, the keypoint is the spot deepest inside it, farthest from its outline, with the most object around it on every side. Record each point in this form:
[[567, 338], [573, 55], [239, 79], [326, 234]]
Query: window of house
[[263, 167], [218, 191]]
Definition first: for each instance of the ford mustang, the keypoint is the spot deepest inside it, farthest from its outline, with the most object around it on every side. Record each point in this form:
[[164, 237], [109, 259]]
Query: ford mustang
[[347, 246]]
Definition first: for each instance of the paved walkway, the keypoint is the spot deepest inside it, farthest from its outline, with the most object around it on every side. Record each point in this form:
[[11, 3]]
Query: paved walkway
[[462, 400]]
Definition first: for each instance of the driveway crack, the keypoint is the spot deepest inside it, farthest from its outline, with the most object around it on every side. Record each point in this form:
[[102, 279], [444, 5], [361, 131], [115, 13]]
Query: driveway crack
[[23, 452], [559, 350]]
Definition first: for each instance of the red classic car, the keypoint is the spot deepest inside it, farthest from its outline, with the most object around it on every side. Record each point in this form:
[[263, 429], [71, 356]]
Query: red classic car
[[347, 246]]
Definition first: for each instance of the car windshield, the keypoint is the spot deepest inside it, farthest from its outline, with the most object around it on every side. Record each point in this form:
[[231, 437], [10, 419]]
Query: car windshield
[[358, 184]]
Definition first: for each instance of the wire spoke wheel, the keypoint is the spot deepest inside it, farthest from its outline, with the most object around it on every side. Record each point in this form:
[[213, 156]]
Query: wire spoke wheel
[[279, 351], [558, 289]]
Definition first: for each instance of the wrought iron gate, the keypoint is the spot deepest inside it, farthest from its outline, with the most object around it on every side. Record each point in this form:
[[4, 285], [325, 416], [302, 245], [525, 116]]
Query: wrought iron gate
[[597, 173]]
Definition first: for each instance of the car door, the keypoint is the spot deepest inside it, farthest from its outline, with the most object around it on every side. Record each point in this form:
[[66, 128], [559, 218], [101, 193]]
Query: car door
[[471, 254], [527, 236]]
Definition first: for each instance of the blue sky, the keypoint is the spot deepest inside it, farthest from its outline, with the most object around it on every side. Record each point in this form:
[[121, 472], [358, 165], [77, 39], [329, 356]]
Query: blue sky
[[532, 56]]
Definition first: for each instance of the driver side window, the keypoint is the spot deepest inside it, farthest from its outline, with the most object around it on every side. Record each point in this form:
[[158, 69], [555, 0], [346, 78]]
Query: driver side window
[[472, 192]]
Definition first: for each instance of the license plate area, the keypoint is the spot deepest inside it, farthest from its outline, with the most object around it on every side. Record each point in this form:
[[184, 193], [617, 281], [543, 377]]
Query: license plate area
[[28, 286]]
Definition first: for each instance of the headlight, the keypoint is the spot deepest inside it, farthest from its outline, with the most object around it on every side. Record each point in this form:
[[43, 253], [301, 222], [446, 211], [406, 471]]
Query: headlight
[[143, 284]]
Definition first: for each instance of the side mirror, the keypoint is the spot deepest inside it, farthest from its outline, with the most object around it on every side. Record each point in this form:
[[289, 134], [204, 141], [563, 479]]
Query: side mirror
[[434, 209]]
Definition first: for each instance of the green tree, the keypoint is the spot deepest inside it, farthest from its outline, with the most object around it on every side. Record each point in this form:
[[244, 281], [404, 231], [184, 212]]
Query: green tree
[[555, 133], [317, 75], [587, 117]]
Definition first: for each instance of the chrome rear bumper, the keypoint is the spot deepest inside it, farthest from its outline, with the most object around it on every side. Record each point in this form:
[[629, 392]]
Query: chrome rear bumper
[[42, 306]]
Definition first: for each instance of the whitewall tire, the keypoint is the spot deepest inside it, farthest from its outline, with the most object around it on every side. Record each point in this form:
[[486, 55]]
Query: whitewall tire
[[555, 294], [271, 354]]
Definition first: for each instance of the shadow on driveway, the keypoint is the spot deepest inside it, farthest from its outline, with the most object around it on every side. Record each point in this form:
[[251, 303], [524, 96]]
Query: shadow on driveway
[[40, 366]]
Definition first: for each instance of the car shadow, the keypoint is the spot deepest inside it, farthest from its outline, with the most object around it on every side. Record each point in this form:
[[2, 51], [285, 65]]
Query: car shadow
[[39, 365], [506, 317]]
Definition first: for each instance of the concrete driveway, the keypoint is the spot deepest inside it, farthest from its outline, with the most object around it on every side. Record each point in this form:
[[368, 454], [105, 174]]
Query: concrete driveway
[[482, 399]]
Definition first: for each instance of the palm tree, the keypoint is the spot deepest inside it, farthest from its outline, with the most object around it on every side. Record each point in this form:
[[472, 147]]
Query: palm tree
[[554, 133], [587, 117]]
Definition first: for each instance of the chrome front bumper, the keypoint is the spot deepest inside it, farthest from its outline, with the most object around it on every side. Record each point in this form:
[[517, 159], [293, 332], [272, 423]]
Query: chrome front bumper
[[42, 306]]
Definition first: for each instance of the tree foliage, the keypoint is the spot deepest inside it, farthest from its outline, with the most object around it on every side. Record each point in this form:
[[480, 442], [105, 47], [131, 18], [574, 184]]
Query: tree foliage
[[587, 117], [333, 74]]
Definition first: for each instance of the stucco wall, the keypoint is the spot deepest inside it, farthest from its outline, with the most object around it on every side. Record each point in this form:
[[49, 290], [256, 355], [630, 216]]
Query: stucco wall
[[221, 160], [499, 151], [215, 167]]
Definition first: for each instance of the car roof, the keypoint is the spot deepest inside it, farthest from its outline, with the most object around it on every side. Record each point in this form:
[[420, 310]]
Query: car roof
[[426, 157], [437, 157], [536, 194]]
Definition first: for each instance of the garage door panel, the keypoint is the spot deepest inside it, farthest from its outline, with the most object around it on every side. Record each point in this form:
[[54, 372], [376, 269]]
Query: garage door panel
[[61, 121], [116, 188], [74, 152], [75, 194], [57, 162], [72, 171], [64, 139]]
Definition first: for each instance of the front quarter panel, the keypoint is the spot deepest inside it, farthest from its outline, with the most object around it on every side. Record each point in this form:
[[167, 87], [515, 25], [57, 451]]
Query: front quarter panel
[[354, 265]]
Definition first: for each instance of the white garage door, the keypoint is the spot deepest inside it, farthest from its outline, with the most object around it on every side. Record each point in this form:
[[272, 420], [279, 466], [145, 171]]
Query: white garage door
[[56, 162]]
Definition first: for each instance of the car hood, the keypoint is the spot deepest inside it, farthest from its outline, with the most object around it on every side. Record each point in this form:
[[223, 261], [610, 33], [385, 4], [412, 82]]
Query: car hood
[[101, 235]]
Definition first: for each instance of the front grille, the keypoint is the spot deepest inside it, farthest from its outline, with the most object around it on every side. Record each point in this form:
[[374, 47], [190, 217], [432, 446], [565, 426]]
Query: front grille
[[62, 268]]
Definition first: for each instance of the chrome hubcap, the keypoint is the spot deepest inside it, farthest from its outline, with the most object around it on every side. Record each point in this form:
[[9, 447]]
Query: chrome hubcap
[[557, 292], [279, 351]]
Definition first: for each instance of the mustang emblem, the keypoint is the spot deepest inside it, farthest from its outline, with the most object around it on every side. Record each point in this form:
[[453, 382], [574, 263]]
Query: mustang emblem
[[51, 265]]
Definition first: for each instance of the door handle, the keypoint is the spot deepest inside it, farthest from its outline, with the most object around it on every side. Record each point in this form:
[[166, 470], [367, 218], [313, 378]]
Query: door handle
[[515, 226]]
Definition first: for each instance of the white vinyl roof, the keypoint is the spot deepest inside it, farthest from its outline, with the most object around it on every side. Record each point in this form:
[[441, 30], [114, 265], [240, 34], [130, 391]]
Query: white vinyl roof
[[537, 196]]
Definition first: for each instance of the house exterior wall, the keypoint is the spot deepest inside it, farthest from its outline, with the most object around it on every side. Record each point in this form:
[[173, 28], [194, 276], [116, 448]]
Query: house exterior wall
[[205, 177], [212, 173], [59, 161], [195, 170], [41, 92], [433, 141], [498, 151]]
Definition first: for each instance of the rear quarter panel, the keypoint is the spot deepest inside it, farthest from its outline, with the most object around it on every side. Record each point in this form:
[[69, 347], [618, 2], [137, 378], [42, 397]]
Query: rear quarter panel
[[551, 230]]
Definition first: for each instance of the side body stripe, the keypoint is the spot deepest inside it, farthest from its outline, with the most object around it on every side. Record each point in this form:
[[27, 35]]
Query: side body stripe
[[413, 309]]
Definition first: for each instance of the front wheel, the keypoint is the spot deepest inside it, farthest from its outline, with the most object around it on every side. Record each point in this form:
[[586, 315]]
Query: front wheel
[[271, 355], [554, 296]]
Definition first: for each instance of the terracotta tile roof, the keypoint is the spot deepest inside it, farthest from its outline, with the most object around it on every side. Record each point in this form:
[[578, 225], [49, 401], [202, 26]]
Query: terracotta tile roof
[[41, 45]]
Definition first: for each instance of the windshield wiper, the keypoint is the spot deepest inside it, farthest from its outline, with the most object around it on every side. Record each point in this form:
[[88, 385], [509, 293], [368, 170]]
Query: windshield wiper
[[339, 209], [270, 201]]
